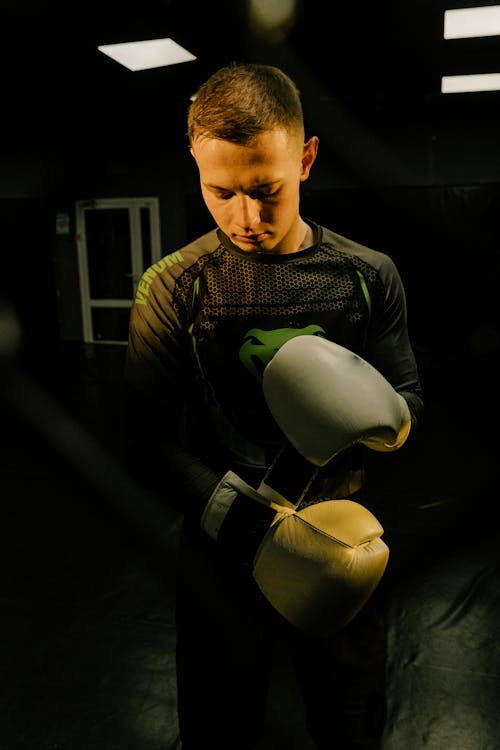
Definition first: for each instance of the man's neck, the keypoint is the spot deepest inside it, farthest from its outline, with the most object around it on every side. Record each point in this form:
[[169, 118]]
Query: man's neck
[[308, 239]]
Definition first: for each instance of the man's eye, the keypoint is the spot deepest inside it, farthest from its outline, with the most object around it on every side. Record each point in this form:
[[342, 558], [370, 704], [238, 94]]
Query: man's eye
[[264, 195]]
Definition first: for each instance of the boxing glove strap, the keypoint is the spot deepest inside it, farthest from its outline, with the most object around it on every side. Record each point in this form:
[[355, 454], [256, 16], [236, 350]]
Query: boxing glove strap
[[288, 478]]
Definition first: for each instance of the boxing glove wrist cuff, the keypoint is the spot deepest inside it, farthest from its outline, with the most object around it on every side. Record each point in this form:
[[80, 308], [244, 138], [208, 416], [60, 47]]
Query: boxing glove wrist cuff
[[236, 515]]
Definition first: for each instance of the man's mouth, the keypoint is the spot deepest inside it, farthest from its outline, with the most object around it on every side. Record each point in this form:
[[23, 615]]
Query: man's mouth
[[252, 239]]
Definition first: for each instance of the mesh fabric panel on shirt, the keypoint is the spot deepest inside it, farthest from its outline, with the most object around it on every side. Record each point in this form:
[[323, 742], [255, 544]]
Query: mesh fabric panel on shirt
[[234, 287]]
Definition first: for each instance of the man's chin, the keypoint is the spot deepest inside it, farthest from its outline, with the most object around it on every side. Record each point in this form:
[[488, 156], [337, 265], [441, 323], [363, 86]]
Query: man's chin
[[266, 247], [253, 248]]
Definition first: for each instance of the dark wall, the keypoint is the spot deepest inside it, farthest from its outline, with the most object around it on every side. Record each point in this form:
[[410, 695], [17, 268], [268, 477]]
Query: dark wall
[[27, 272]]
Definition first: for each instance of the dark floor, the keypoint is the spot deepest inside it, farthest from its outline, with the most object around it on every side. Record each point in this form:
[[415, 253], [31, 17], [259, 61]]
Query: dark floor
[[88, 636]]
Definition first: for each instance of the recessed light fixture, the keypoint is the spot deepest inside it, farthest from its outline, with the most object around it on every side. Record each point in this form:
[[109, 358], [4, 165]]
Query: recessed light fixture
[[469, 22], [151, 53]]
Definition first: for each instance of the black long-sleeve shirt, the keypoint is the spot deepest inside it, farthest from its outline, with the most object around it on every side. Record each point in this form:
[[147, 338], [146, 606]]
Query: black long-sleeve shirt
[[207, 319]]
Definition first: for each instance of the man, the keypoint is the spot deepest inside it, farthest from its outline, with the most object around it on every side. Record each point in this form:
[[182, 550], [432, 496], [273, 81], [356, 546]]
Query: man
[[206, 322]]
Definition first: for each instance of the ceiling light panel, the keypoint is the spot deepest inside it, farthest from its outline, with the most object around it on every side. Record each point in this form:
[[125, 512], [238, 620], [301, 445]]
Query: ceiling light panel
[[471, 22], [151, 53], [458, 84]]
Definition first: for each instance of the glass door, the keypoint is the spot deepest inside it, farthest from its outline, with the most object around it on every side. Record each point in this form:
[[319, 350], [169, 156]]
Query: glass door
[[117, 239]]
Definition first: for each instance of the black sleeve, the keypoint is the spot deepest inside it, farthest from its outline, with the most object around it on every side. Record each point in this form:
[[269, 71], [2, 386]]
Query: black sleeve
[[158, 378], [157, 458], [389, 347], [415, 403]]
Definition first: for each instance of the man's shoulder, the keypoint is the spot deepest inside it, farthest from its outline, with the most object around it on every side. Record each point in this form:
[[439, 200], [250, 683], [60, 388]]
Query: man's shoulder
[[185, 256], [165, 273], [194, 250], [205, 243], [355, 250]]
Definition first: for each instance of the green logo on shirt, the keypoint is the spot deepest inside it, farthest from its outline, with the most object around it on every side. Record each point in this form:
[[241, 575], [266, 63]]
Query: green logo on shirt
[[260, 346]]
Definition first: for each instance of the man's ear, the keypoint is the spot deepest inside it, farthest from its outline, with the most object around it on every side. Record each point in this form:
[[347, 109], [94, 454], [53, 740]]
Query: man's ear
[[309, 154]]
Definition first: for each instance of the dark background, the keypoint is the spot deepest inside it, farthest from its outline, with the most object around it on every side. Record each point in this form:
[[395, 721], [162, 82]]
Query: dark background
[[87, 645]]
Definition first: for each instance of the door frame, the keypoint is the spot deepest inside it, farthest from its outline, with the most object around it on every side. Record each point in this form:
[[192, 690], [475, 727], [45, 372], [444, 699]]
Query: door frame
[[134, 206]]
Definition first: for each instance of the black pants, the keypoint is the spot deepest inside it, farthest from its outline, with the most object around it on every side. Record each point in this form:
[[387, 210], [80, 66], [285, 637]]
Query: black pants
[[226, 640]]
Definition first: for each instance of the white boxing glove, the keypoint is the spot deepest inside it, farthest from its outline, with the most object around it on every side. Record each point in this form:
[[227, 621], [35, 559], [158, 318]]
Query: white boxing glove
[[325, 398]]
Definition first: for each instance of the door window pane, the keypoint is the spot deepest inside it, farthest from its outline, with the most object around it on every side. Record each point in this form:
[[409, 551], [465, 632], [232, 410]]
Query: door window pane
[[109, 253], [110, 323], [146, 237]]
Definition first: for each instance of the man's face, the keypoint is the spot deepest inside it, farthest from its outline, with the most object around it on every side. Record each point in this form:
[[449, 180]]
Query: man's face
[[253, 191]]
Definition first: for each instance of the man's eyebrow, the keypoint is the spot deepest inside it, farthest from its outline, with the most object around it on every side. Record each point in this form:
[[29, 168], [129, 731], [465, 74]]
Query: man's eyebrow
[[213, 186]]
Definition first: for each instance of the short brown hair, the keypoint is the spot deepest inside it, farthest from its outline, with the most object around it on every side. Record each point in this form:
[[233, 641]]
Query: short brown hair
[[242, 100]]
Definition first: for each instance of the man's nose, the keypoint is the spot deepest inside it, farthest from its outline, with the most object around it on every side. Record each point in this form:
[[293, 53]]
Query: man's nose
[[248, 212]]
